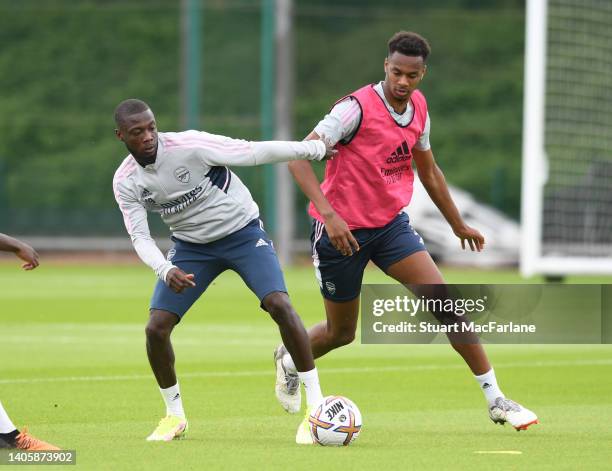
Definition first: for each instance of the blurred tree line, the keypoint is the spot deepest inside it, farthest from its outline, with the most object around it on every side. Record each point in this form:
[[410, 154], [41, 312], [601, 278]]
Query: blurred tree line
[[65, 64]]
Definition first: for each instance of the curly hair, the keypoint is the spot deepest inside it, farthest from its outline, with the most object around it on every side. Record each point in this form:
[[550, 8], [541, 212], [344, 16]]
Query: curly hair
[[409, 44]]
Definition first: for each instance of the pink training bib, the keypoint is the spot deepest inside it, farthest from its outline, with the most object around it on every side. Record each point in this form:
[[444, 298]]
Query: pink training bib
[[370, 179]]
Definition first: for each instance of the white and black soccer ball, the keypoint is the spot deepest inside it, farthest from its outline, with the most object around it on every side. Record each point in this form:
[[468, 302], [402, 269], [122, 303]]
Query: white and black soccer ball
[[335, 421]]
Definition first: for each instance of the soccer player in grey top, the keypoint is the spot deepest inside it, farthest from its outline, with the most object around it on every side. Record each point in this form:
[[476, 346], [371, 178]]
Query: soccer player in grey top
[[215, 226]]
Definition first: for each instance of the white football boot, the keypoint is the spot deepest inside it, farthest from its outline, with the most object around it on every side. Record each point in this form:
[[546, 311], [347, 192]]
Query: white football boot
[[287, 387], [505, 410]]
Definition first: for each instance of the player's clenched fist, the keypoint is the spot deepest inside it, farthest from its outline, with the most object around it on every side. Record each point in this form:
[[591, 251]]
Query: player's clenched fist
[[178, 280]]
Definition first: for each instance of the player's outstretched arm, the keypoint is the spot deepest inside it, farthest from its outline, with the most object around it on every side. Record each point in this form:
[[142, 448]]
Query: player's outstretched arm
[[337, 229], [269, 152], [222, 150], [434, 182], [21, 249]]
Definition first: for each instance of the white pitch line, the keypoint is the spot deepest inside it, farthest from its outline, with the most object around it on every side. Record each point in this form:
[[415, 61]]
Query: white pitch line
[[381, 369], [499, 452]]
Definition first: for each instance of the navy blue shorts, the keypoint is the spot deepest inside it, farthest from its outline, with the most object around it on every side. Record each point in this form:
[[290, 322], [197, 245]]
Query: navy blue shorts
[[249, 252], [340, 276]]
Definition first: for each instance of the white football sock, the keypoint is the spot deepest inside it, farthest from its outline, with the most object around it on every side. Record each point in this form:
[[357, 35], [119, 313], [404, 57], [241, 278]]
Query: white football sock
[[6, 426], [288, 363], [174, 401], [310, 379], [488, 385]]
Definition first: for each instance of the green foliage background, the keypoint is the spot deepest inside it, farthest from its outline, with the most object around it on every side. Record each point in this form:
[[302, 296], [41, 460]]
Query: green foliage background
[[65, 64]]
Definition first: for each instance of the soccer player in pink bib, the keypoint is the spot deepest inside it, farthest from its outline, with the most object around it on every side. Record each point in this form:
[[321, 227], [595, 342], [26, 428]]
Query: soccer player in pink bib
[[379, 130]]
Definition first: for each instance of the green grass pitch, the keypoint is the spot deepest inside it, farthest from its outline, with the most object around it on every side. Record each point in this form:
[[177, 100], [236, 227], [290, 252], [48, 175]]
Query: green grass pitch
[[74, 369]]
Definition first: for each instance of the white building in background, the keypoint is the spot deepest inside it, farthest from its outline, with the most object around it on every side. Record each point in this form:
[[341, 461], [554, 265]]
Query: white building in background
[[502, 234]]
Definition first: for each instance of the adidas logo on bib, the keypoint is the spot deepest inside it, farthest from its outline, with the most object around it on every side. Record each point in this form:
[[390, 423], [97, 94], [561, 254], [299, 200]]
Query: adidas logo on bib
[[261, 243], [401, 154]]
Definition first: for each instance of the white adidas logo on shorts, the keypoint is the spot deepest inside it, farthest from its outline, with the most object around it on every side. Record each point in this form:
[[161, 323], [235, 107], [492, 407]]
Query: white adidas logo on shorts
[[261, 243]]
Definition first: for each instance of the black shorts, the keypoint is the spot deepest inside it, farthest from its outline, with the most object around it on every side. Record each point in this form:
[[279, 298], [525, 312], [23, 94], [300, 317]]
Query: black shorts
[[340, 276]]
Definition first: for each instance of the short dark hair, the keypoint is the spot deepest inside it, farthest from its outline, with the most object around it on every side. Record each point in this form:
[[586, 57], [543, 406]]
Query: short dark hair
[[409, 44], [127, 108]]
